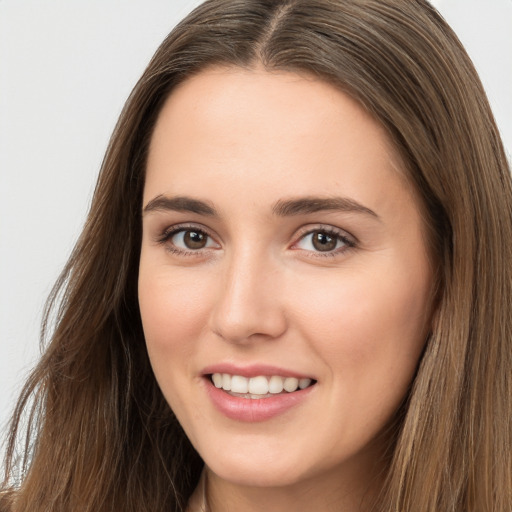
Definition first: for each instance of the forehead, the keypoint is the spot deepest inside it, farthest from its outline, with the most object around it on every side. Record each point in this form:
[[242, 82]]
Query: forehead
[[221, 96], [277, 130]]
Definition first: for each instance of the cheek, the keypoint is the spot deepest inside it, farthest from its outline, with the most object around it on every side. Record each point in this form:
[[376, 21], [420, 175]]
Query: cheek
[[371, 327], [174, 313]]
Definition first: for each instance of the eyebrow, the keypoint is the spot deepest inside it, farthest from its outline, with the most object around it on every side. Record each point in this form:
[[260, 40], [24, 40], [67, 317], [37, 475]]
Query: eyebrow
[[307, 205], [282, 208], [179, 204]]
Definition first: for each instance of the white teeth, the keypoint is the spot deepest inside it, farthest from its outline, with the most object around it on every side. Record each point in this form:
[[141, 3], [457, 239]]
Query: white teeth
[[258, 386], [291, 384], [217, 380], [226, 382], [304, 383], [275, 384], [239, 384]]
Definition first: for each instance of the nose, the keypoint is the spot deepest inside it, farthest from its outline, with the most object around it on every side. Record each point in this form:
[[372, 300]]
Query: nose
[[249, 305]]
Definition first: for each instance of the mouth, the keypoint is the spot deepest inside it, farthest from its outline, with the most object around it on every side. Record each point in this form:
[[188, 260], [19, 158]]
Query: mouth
[[259, 387], [257, 392]]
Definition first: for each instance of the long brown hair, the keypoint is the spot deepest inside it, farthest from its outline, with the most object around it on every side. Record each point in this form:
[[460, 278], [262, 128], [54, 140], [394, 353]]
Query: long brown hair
[[99, 435]]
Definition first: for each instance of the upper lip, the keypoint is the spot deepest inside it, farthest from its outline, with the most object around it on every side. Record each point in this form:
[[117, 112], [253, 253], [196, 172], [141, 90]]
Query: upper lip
[[253, 370]]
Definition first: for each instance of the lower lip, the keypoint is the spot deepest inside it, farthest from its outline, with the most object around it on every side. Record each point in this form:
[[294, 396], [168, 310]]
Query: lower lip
[[254, 410]]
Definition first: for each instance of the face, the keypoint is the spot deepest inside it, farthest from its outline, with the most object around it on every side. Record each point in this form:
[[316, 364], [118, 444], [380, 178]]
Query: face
[[282, 246]]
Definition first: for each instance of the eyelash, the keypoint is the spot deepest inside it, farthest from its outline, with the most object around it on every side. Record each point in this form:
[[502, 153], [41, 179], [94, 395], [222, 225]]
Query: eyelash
[[167, 235], [337, 234], [349, 242]]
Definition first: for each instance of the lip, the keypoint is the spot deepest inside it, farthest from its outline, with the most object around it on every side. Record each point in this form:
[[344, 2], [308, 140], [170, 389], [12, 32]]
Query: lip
[[253, 410], [253, 370]]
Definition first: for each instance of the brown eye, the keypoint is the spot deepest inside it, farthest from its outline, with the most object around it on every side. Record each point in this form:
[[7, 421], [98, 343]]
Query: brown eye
[[195, 239], [322, 241], [189, 239], [326, 241]]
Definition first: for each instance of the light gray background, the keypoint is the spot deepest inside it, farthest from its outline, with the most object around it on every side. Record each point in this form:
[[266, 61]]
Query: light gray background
[[66, 69]]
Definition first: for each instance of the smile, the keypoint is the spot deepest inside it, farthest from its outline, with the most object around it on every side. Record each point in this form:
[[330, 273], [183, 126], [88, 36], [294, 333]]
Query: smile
[[260, 386]]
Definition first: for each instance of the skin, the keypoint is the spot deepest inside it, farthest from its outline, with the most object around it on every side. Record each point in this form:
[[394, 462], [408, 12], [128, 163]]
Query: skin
[[355, 318]]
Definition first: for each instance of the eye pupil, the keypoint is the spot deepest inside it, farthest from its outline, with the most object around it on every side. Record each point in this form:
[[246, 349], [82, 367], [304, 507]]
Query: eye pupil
[[323, 242], [195, 239]]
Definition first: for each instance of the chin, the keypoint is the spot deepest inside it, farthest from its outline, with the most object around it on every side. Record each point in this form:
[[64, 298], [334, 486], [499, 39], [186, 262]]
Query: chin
[[257, 475]]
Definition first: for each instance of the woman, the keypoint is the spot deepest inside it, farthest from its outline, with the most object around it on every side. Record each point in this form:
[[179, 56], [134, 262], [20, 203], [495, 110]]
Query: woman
[[296, 263]]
